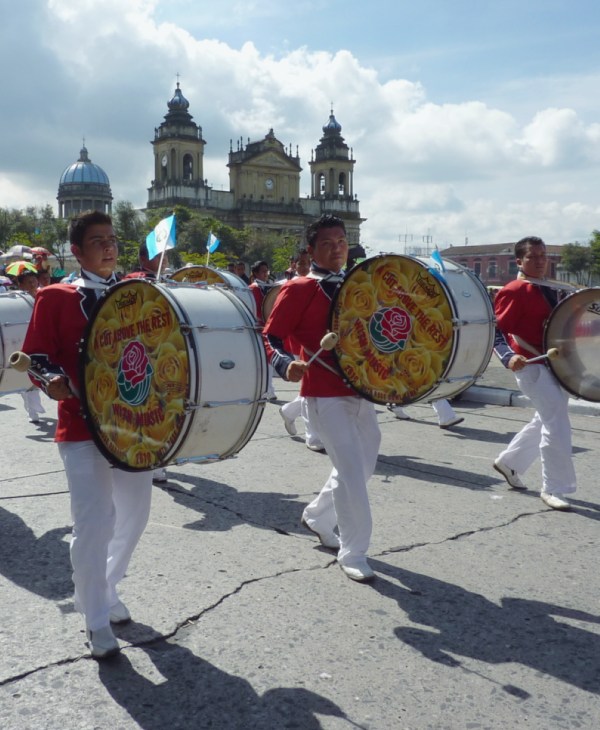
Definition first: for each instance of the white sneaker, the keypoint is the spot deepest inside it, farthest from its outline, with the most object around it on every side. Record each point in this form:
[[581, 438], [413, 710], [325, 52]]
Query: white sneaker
[[358, 570], [290, 426], [319, 448], [102, 643], [329, 540], [555, 501], [510, 475], [119, 613], [452, 422], [399, 413], [159, 476]]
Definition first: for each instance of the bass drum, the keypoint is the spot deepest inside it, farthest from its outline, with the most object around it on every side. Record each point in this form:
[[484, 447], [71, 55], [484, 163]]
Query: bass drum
[[15, 312], [270, 297], [573, 329], [408, 332], [171, 374], [199, 274]]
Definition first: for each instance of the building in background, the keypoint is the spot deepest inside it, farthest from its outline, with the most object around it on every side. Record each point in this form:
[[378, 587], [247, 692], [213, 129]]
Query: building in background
[[264, 177], [83, 186]]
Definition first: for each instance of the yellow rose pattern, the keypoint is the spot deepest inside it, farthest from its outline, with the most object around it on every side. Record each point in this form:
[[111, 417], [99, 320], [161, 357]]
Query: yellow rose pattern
[[143, 436], [394, 321], [192, 274]]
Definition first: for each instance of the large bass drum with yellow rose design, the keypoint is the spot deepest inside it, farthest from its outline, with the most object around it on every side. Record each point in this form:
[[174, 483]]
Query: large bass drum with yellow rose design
[[200, 275], [410, 331], [172, 373]]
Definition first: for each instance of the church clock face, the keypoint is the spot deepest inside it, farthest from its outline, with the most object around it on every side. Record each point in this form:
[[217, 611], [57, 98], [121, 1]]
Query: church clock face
[[163, 161], [269, 184]]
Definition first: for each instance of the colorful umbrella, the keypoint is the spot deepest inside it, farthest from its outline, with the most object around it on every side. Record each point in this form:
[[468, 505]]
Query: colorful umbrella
[[40, 251], [19, 267]]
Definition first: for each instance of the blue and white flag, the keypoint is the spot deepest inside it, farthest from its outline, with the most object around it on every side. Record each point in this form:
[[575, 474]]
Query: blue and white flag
[[212, 243], [162, 237], [435, 255]]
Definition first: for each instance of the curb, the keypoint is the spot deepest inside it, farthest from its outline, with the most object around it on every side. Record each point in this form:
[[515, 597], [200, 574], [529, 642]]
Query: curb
[[508, 397]]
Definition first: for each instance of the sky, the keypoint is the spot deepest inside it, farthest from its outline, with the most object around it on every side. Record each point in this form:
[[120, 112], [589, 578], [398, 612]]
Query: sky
[[470, 121]]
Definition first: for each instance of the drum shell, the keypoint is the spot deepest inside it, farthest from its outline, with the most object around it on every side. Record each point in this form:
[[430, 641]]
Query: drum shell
[[15, 312], [202, 275], [441, 326], [225, 382], [573, 328], [270, 297], [474, 330]]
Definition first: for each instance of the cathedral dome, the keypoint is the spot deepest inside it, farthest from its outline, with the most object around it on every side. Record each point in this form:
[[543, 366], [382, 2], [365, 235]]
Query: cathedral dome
[[178, 101], [83, 186], [84, 171]]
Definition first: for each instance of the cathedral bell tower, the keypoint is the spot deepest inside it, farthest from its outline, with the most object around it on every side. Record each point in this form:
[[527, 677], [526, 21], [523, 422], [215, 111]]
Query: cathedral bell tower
[[178, 157], [332, 166]]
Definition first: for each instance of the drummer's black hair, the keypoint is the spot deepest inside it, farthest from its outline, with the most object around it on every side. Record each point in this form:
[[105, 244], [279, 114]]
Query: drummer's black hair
[[522, 245], [79, 225], [256, 266], [325, 221]]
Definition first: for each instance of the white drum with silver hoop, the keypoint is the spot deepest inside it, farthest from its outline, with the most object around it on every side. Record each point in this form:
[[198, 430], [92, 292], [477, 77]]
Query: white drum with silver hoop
[[408, 332], [202, 275], [573, 329], [172, 373], [15, 312]]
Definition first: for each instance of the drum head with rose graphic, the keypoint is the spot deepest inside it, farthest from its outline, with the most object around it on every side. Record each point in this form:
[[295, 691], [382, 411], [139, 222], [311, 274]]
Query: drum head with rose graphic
[[135, 373], [394, 321]]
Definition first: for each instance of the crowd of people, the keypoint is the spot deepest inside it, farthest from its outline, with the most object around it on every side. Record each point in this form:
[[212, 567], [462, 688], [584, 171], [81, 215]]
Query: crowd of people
[[110, 506]]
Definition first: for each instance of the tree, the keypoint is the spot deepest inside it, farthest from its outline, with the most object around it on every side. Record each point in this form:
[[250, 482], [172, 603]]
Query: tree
[[577, 260]]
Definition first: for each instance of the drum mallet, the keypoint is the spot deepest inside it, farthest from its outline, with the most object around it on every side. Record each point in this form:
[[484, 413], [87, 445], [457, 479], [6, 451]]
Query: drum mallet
[[22, 362], [328, 342], [552, 354]]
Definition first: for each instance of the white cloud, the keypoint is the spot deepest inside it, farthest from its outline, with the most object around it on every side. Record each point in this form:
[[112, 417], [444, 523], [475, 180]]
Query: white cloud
[[106, 71]]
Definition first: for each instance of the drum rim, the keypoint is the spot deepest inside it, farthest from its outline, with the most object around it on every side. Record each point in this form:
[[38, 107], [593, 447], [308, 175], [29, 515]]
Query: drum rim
[[364, 394], [188, 417], [4, 354], [547, 326]]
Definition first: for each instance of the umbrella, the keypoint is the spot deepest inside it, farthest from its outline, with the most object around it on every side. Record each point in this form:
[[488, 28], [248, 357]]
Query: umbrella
[[20, 267], [5, 281], [40, 251], [19, 250]]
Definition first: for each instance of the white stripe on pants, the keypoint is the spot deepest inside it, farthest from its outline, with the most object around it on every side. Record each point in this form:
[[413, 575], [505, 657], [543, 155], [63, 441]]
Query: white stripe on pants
[[110, 509], [547, 435], [349, 430]]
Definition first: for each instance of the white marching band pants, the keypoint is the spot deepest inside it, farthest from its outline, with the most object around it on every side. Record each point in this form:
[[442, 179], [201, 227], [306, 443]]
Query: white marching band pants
[[110, 509], [547, 435], [349, 431], [299, 407]]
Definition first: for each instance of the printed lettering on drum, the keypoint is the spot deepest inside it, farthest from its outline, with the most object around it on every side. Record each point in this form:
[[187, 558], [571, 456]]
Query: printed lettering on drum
[[136, 374]]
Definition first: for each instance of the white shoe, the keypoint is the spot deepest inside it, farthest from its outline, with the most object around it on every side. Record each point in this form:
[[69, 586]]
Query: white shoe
[[452, 422], [102, 643], [359, 570], [399, 413], [329, 540], [319, 448], [555, 501], [159, 476], [290, 426], [510, 475], [119, 613]]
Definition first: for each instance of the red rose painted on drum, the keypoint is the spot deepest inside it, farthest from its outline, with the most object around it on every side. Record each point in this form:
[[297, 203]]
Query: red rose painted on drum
[[390, 329], [134, 374]]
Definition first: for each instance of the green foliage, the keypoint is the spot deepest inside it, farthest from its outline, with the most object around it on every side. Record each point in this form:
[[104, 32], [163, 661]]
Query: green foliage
[[577, 260]]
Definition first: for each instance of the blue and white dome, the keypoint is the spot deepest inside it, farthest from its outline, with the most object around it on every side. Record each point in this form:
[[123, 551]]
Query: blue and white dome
[[84, 171]]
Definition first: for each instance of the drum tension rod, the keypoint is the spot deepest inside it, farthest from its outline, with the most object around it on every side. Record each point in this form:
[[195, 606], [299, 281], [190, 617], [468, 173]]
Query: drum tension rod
[[187, 328]]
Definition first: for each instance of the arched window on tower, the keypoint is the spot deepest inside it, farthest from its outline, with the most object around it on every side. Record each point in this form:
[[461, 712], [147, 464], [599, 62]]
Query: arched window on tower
[[342, 184], [188, 168], [321, 184]]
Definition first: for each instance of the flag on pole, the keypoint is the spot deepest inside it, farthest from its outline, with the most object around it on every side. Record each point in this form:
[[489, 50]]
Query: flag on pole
[[212, 243], [162, 237], [435, 255]]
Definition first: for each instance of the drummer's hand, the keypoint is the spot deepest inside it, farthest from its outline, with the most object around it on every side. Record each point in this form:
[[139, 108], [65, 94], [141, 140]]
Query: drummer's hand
[[517, 362], [58, 388], [296, 370]]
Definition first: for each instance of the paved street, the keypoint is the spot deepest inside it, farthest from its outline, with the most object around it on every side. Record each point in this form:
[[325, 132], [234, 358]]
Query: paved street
[[485, 612]]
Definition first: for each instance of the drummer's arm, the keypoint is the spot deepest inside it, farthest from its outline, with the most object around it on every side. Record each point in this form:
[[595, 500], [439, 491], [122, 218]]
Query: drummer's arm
[[507, 356], [281, 360]]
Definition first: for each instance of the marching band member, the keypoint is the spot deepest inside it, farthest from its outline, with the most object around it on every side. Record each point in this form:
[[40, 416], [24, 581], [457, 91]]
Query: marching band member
[[346, 423], [522, 308], [259, 288], [109, 506]]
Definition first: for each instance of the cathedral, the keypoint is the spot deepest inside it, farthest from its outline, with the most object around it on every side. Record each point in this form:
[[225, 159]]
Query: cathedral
[[264, 177]]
